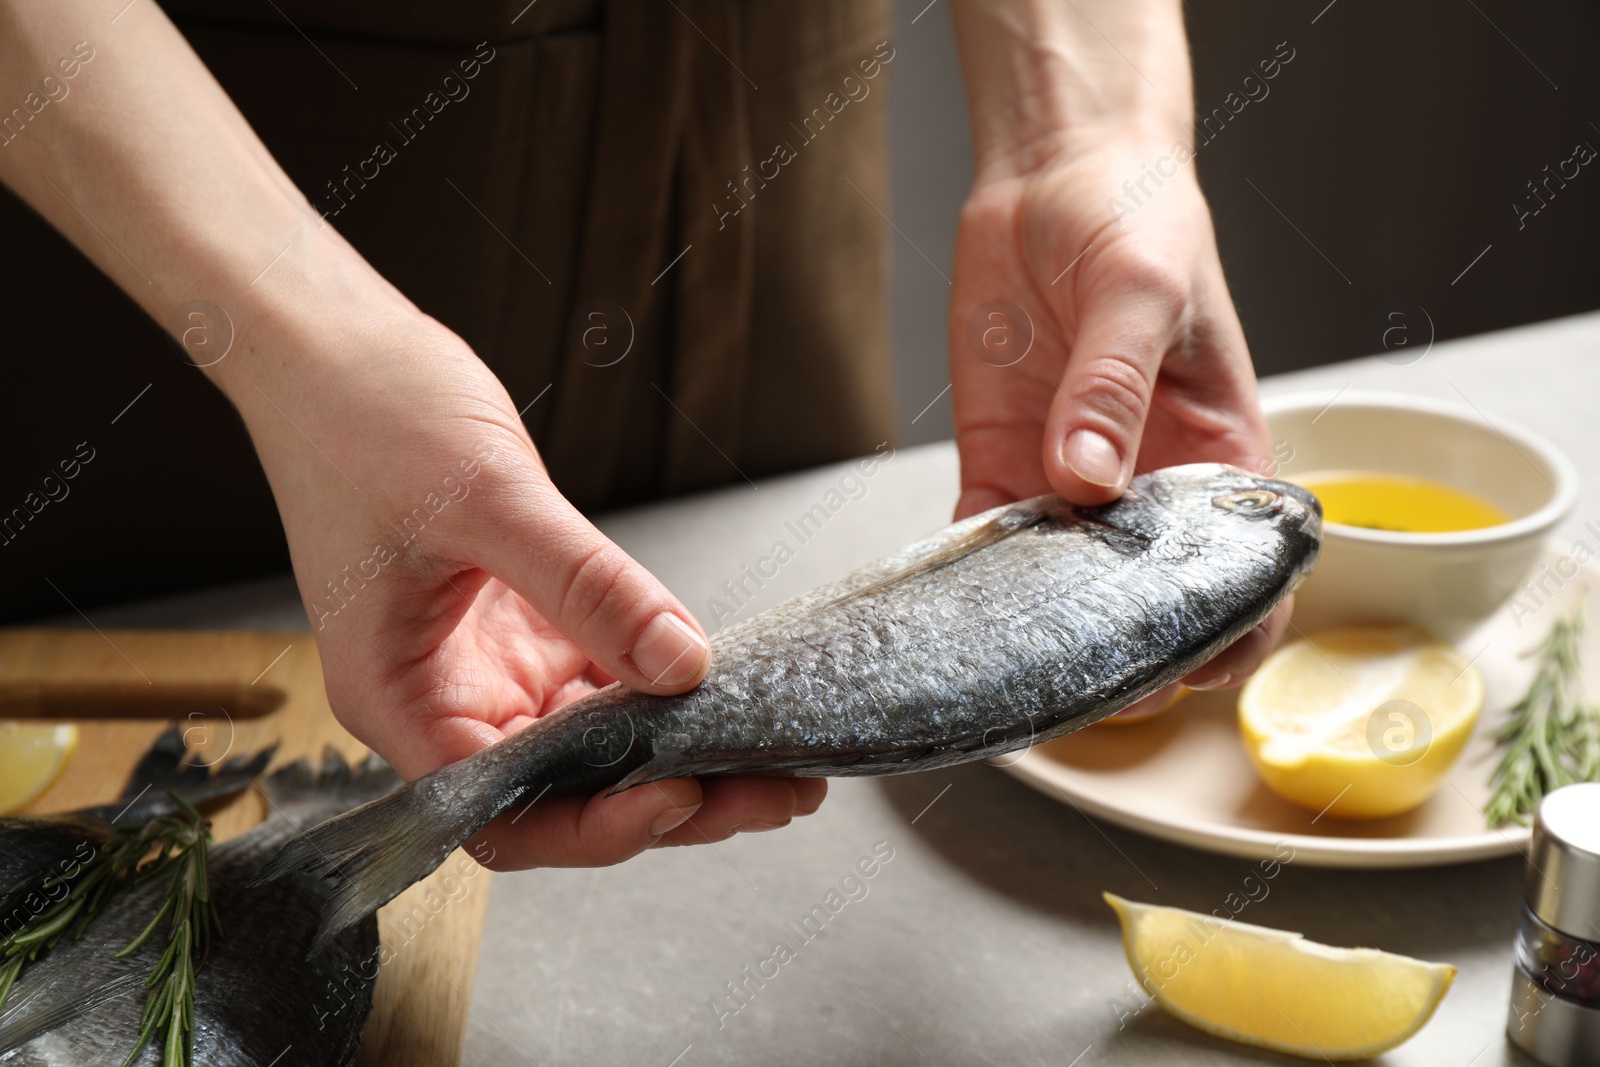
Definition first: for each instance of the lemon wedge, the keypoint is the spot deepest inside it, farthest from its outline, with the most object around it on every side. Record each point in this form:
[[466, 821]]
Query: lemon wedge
[[1273, 988], [32, 757], [1360, 723]]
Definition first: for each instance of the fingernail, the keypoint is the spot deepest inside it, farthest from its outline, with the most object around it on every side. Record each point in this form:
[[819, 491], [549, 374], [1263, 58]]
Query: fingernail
[[807, 809], [671, 819], [756, 826], [669, 652], [1092, 458]]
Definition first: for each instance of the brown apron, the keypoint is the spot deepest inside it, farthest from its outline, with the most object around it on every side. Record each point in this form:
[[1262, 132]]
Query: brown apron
[[653, 219]]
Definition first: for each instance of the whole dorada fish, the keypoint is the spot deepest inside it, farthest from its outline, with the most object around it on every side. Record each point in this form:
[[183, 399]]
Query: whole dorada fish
[[1009, 628], [261, 994]]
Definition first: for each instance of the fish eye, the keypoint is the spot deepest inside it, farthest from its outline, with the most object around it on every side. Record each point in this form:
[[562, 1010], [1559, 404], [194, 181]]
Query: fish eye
[[1250, 501]]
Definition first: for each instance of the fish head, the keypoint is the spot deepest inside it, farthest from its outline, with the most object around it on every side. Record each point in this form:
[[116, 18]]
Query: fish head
[[1223, 504]]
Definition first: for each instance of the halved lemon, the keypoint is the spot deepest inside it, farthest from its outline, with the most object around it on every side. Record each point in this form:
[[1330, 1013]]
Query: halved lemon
[[32, 757], [1275, 989], [1360, 723]]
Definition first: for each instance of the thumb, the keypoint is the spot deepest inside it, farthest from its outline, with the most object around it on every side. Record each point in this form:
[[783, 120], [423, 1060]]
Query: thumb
[[598, 596], [1097, 418]]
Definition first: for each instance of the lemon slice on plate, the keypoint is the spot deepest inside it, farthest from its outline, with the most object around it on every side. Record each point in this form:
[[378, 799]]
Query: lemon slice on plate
[[1273, 988], [32, 757], [1360, 723]]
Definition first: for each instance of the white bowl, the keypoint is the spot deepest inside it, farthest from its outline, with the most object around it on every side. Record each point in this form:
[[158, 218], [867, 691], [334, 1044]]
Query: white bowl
[[1445, 582]]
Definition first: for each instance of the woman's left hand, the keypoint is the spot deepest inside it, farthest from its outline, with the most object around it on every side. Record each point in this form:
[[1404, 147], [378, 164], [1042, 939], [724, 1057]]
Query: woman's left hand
[[1089, 340]]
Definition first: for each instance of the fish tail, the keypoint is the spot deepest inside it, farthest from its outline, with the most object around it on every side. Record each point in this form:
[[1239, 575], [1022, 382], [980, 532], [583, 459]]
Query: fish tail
[[369, 855]]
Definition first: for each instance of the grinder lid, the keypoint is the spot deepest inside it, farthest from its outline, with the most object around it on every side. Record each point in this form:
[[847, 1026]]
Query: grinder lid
[[1563, 882]]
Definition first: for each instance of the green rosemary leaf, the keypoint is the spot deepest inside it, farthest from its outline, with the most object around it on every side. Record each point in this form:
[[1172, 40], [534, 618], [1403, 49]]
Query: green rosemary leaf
[[169, 1007], [1551, 736], [173, 847], [144, 935]]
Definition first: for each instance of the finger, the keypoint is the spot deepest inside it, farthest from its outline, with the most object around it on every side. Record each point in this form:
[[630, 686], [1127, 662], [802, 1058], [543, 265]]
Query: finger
[[1240, 659], [1219, 418], [809, 793], [999, 458], [587, 831], [978, 499], [1097, 417], [598, 596], [737, 806]]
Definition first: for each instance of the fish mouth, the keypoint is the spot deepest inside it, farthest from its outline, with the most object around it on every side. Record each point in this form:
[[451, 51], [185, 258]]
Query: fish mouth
[[1297, 492], [1305, 500]]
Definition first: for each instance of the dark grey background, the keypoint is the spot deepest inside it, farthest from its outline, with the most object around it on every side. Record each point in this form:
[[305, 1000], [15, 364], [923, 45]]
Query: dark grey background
[[1393, 147], [1396, 141]]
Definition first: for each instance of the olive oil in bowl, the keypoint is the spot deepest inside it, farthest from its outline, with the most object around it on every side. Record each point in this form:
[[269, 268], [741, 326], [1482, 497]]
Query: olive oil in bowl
[[1397, 503]]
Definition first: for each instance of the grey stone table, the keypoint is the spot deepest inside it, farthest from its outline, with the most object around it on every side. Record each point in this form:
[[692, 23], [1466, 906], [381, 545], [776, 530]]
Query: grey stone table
[[980, 937]]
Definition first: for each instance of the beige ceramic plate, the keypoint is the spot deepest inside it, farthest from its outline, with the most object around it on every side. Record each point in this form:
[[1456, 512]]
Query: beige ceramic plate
[[1184, 776]]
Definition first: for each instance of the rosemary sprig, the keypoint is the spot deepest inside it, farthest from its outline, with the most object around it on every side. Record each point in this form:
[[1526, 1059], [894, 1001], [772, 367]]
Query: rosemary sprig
[[175, 845], [169, 1006], [1552, 736], [112, 868]]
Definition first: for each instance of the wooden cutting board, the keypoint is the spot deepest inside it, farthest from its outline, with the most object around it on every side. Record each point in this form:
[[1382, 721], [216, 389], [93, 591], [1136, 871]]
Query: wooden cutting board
[[235, 692]]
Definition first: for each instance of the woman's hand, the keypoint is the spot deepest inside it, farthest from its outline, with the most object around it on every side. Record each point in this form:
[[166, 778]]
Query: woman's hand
[[456, 596], [1091, 330], [1126, 353]]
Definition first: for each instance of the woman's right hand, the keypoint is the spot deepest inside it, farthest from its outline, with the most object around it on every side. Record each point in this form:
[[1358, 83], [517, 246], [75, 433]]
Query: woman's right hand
[[455, 595]]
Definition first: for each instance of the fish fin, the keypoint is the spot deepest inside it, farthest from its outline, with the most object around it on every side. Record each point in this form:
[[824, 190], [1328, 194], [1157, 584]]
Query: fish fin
[[665, 762], [232, 776], [1008, 523], [161, 767], [24, 1022], [369, 855], [167, 765], [331, 781], [668, 762], [708, 767]]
